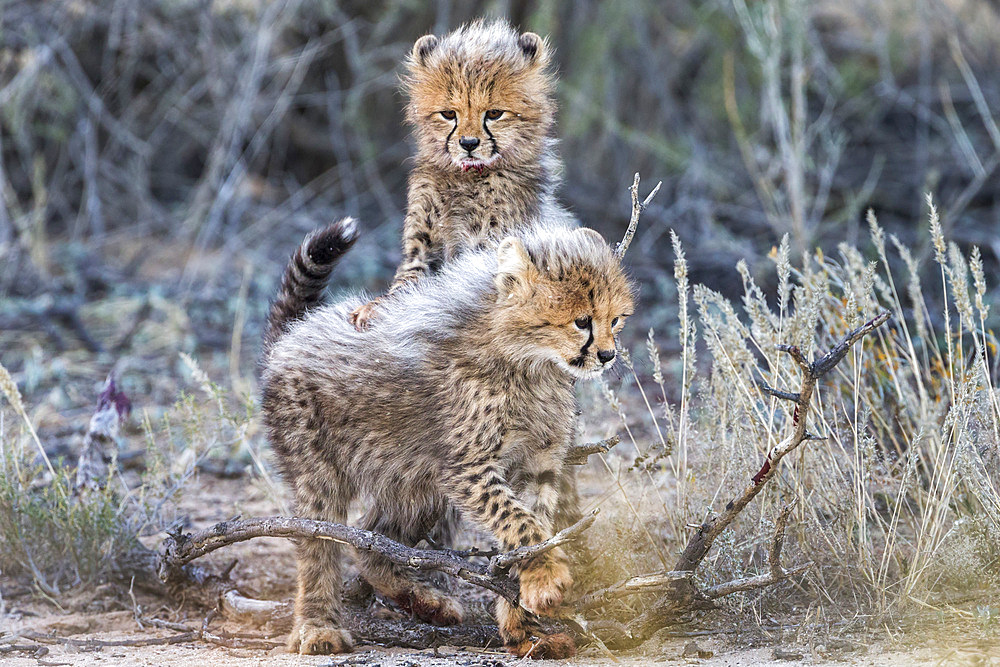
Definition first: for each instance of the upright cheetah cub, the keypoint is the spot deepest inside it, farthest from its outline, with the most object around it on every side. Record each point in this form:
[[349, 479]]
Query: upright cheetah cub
[[461, 395], [481, 107]]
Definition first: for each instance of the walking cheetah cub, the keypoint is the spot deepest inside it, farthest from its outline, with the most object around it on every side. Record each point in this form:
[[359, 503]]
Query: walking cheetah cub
[[461, 395], [481, 107]]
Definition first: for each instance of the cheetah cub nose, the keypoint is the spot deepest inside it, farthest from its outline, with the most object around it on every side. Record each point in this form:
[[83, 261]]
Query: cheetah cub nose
[[468, 143], [605, 355]]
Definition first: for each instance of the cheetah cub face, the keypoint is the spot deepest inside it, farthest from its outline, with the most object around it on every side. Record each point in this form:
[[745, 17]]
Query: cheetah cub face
[[480, 96], [563, 301]]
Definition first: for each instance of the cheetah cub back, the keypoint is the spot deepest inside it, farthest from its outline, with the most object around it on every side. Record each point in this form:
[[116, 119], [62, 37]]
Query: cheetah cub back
[[481, 108], [461, 395]]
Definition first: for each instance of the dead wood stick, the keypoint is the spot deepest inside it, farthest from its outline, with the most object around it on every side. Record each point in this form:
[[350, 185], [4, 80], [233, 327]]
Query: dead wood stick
[[38, 649], [683, 595], [219, 637], [366, 629], [103, 643], [578, 455], [776, 572], [702, 541], [180, 549], [646, 583], [637, 209]]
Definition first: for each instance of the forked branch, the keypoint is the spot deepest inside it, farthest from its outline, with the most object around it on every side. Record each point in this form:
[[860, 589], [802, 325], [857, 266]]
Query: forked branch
[[681, 595], [776, 572], [637, 209], [701, 542], [180, 549]]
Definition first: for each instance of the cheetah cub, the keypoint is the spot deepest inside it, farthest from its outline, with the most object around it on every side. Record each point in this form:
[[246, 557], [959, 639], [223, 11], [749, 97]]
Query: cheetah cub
[[461, 395], [480, 104]]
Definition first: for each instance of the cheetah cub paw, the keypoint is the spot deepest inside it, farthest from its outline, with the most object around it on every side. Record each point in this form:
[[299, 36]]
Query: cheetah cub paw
[[544, 581], [310, 639], [362, 316], [431, 606]]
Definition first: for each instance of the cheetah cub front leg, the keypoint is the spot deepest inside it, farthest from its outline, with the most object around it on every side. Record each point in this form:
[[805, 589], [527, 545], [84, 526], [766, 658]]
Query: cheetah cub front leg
[[361, 316], [544, 580]]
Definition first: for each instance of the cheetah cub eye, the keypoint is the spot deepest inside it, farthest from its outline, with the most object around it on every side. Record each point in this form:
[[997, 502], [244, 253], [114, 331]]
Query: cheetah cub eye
[[582, 322], [494, 114], [448, 114]]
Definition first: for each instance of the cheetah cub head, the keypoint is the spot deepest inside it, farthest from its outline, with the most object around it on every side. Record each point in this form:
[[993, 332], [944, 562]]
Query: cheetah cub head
[[480, 96], [562, 298]]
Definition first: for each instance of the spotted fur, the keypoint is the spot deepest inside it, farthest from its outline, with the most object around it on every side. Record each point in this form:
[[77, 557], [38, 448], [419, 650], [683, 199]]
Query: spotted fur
[[460, 395], [476, 178]]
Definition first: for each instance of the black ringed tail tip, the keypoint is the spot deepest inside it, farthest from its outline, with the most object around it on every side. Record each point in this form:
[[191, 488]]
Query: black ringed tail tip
[[307, 274]]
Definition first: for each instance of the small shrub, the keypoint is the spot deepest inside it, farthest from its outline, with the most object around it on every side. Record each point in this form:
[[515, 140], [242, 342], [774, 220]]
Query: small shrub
[[54, 536], [903, 487]]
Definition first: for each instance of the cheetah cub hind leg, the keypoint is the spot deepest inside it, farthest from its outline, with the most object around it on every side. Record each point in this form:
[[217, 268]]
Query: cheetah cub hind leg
[[394, 581], [430, 605], [523, 635]]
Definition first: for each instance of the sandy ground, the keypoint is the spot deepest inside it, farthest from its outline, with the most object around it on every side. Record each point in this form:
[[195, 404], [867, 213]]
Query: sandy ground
[[196, 654], [266, 570]]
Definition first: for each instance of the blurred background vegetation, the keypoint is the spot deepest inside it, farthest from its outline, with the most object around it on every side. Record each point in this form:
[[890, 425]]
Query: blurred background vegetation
[[185, 146]]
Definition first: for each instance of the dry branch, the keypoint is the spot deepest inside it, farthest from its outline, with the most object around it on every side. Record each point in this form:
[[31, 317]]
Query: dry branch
[[701, 542], [180, 549], [578, 455], [681, 594], [637, 209], [646, 583], [172, 573]]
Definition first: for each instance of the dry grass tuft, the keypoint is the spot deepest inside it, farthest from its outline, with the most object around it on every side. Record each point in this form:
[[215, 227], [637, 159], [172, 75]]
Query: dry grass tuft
[[898, 505]]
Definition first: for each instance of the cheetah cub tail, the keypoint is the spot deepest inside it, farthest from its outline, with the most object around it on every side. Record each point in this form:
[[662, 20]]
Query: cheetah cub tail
[[307, 273]]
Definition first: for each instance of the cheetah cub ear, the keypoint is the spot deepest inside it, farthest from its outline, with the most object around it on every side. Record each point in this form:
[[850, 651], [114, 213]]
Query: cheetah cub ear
[[514, 268], [534, 48], [591, 235], [423, 48]]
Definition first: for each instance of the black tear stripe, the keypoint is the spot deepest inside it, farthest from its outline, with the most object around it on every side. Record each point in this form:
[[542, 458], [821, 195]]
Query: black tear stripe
[[579, 361], [490, 135], [448, 138]]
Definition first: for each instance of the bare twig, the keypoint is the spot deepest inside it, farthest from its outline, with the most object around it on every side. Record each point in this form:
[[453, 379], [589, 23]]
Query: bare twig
[[637, 209], [682, 595], [578, 455], [768, 389], [647, 583], [776, 572], [180, 549]]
